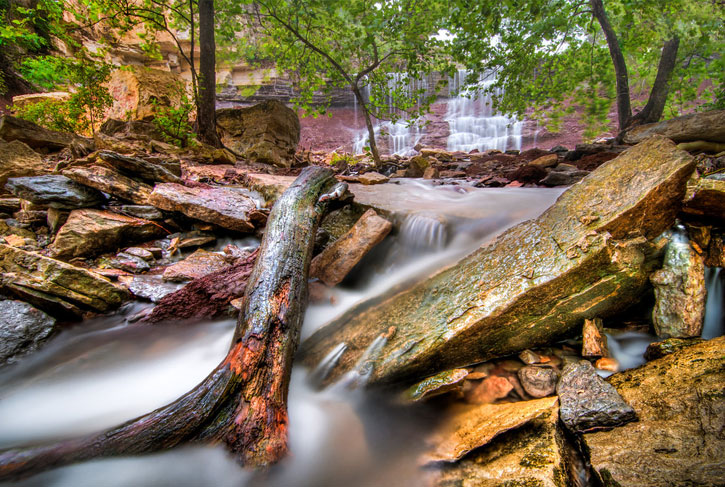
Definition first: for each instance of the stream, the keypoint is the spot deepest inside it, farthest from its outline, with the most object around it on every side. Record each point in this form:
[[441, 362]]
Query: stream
[[107, 370]]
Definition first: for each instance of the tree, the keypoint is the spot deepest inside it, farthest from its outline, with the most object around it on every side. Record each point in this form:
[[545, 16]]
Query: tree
[[588, 53], [383, 45]]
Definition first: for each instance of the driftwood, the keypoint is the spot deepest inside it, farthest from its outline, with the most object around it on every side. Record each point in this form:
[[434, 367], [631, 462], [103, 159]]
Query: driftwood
[[242, 402]]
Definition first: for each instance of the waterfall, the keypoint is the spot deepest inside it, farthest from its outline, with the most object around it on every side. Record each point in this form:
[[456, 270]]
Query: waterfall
[[472, 121], [714, 325]]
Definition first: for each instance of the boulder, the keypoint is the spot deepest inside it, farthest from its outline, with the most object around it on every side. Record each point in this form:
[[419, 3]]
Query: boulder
[[587, 402], [131, 129], [469, 427], [679, 290], [564, 175], [678, 439], [37, 137], [549, 160], [111, 182], [706, 199], [537, 281], [372, 178], [538, 381], [226, 207], [22, 330], [90, 232], [142, 169], [56, 191], [56, 218], [138, 92], [488, 390], [18, 160], [55, 286], [532, 454], [696, 126], [268, 132], [195, 266], [338, 259]]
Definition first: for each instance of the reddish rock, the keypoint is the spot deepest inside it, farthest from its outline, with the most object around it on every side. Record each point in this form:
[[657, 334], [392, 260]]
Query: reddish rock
[[195, 266], [488, 390], [594, 341]]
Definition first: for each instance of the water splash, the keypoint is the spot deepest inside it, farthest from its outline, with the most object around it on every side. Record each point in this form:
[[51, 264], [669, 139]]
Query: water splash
[[424, 232], [714, 325]]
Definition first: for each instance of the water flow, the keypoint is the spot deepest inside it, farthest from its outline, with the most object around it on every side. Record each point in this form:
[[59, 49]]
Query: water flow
[[714, 325], [472, 121]]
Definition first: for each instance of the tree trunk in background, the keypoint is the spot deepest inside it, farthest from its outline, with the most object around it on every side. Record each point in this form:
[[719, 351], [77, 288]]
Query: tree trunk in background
[[206, 104], [369, 124], [652, 111], [624, 109], [243, 401]]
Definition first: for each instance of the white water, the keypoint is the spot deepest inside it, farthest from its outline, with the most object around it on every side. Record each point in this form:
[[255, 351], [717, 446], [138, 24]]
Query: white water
[[106, 371]]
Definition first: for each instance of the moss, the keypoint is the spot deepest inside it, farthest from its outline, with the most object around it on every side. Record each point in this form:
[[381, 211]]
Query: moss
[[539, 458], [525, 482]]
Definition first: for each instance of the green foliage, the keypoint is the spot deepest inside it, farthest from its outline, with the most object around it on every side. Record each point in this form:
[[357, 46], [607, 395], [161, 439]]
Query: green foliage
[[85, 76], [175, 122], [345, 158]]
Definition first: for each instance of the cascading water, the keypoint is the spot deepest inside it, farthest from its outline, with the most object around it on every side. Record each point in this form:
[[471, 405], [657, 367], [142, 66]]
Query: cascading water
[[473, 122], [714, 325]]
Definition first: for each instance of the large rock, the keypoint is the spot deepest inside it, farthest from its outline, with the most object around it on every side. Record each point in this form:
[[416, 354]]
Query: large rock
[[268, 132], [338, 259], [139, 91], [225, 207], [18, 160], [111, 182], [588, 402], [142, 169], [679, 290], [696, 126], [531, 455], [89, 232], [22, 330], [55, 191], [54, 285], [535, 282], [678, 440], [37, 137], [707, 199]]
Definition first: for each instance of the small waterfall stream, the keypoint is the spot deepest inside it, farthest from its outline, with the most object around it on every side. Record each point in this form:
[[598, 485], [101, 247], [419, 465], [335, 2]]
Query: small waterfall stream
[[106, 371]]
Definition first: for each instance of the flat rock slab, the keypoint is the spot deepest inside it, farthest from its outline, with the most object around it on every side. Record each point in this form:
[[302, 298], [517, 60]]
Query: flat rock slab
[[696, 126], [443, 383], [111, 182], [54, 191], [139, 168], [707, 200], [90, 232], [338, 259], [588, 402], [529, 455], [196, 265], [678, 440], [470, 427], [225, 207], [37, 137], [22, 330], [34, 274], [18, 160], [535, 282]]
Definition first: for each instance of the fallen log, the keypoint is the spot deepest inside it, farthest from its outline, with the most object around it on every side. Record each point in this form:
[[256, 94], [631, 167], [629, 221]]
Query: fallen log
[[242, 402]]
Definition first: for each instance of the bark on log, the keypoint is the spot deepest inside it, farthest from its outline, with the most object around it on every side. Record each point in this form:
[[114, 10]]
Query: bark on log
[[243, 401]]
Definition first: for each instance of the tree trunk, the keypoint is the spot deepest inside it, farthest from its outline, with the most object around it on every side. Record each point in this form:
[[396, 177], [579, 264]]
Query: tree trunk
[[206, 104], [624, 108], [652, 111], [369, 125], [243, 401]]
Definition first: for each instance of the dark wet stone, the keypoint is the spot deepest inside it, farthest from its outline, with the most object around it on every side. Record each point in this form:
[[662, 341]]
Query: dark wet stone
[[588, 402], [131, 263], [139, 168], [55, 191], [22, 330], [657, 350], [538, 381]]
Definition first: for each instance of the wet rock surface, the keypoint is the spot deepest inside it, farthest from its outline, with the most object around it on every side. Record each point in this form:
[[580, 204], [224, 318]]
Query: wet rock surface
[[197, 265], [588, 402], [678, 439], [90, 232], [443, 383], [54, 190], [142, 169], [22, 330], [225, 207], [111, 182]]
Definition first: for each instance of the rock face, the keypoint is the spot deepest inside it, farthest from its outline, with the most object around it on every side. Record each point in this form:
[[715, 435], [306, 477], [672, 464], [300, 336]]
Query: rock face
[[90, 232], [707, 200], [679, 290], [37, 137], [268, 132], [531, 455], [22, 330], [198, 264], [678, 440], [55, 191], [110, 181], [535, 282], [141, 168], [55, 286], [696, 126], [222, 206], [135, 89], [337, 260], [18, 160], [588, 402]]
